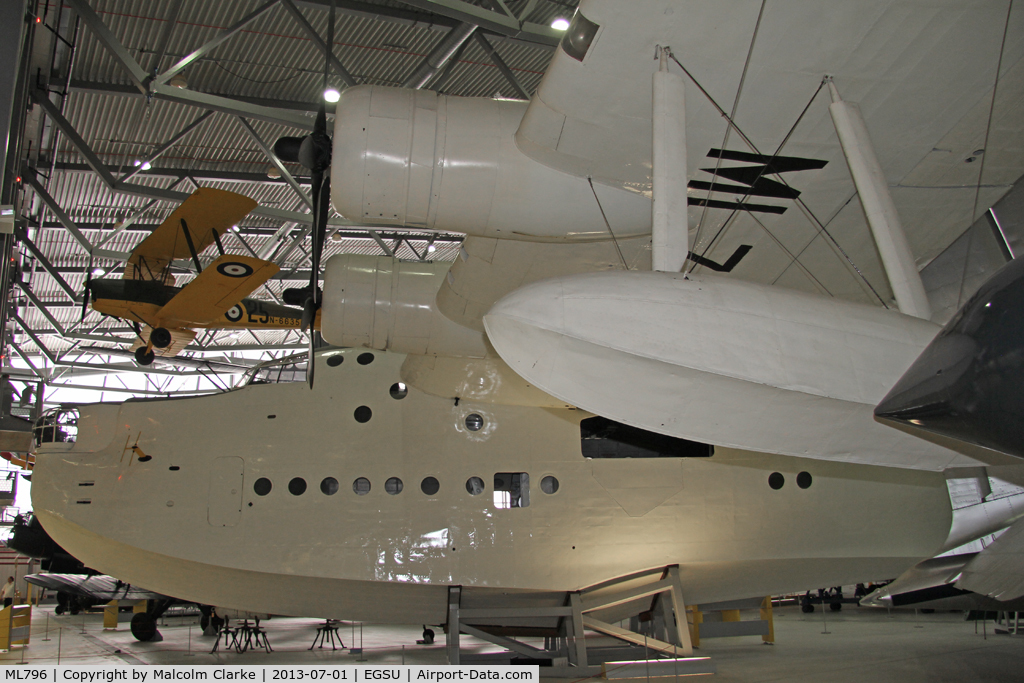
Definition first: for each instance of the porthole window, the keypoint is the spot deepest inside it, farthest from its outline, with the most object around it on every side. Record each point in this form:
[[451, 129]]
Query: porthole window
[[474, 422], [549, 484], [365, 358], [329, 486], [430, 486], [363, 414], [398, 391], [361, 486], [804, 480], [393, 486], [297, 486], [475, 486], [335, 360], [262, 486], [776, 480]]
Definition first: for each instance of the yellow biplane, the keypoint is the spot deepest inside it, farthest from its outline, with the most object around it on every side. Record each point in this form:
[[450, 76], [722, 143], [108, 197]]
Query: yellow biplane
[[166, 317]]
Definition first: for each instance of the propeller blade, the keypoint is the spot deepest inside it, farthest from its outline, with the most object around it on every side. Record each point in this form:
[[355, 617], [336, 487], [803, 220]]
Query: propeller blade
[[85, 296], [309, 363]]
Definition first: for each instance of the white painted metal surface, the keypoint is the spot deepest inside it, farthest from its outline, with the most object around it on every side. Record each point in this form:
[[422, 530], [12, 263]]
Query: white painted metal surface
[[412, 157], [383, 303], [670, 234], [884, 221], [388, 558], [719, 360]]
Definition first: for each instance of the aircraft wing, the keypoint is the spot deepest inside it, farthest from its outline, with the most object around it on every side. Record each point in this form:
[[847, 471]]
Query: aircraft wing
[[487, 269], [220, 286], [206, 210], [100, 587], [922, 73], [998, 570]]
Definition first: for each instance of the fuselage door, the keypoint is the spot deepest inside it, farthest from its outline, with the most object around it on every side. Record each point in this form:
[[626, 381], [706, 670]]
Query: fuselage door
[[225, 502]]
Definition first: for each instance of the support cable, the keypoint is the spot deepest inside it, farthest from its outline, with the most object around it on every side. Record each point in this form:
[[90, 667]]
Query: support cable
[[820, 226], [607, 224]]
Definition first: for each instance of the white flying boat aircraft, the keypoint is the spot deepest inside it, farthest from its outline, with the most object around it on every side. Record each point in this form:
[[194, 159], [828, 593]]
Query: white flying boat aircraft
[[714, 430]]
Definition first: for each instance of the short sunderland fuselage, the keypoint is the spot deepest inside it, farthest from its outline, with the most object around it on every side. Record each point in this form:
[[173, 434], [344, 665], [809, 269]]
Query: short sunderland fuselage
[[196, 519]]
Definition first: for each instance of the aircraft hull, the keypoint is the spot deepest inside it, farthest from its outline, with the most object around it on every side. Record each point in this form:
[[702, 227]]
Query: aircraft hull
[[188, 521]]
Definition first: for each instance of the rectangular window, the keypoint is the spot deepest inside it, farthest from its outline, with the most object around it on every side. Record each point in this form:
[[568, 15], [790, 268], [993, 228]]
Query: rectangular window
[[511, 490]]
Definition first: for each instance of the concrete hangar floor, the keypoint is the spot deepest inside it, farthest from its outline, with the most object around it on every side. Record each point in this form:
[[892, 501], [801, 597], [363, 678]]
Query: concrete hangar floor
[[861, 644]]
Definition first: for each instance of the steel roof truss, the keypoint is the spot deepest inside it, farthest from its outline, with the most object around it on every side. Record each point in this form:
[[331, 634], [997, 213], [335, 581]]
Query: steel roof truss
[[221, 37], [336, 64]]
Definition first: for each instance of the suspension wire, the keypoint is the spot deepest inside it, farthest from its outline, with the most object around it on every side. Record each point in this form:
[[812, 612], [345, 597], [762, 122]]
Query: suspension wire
[[984, 155], [607, 224], [810, 214], [732, 116]]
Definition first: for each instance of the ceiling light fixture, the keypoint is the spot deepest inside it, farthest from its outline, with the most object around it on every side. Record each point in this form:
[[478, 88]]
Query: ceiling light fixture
[[178, 81], [560, 23], [99, 272], [273, 172], [332, 95]]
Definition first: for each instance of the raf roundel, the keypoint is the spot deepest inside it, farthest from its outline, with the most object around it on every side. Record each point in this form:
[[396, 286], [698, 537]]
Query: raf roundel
[[234, 314], [235, 269]]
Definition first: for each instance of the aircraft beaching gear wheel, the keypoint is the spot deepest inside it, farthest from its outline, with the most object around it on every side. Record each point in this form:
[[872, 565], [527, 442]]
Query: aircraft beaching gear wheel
[[160, 337], [143, 627], [144, 356]]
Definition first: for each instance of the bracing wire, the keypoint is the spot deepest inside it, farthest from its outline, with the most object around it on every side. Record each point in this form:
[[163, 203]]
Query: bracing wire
[[607, 224]]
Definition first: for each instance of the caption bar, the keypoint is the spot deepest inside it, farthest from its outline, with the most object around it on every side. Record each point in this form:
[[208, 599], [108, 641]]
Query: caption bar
[[399, 673]]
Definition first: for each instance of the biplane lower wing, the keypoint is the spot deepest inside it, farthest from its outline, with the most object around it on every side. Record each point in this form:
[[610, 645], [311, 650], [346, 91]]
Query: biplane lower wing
[[223, 284]]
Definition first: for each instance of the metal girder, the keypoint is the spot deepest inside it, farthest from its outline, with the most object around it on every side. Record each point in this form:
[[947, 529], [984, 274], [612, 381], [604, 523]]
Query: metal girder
[[285, 173], [221, 37], [29, 176], [22, 236], [144, 392], [497, 22], [440, 55], [72, 135], [165, 35], [181, 174], [502, 66], [166, 146], [235, 107], [42, 307], [285, 106], [32, 335], [320, 43], [380, 243], [215, 366], [113, 45]]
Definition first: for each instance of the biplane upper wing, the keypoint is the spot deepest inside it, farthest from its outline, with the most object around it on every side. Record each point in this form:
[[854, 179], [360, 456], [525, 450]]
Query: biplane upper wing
[[205, 211], [223, 283]]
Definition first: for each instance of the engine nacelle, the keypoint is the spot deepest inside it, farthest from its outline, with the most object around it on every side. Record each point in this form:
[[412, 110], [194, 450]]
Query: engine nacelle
[[416, 158], [386, 304]]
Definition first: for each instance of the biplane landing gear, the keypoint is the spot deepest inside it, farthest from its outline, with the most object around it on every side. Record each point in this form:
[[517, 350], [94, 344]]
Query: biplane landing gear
[[144, 355], [160, 338]]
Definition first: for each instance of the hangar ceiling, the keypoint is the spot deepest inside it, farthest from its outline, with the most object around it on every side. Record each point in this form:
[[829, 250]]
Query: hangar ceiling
[[122, 108]]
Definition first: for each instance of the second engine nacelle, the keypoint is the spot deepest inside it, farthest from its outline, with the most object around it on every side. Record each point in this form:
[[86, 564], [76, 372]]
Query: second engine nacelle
[[386, 304], [416, 158]]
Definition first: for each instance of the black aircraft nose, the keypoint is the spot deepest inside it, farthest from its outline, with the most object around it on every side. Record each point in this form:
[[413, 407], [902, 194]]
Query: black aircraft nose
[[968, 384]]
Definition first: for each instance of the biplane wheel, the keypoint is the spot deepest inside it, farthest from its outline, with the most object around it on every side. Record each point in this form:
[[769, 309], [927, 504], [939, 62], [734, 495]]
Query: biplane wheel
[[160, 337], [143, 627], [144, 357]]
